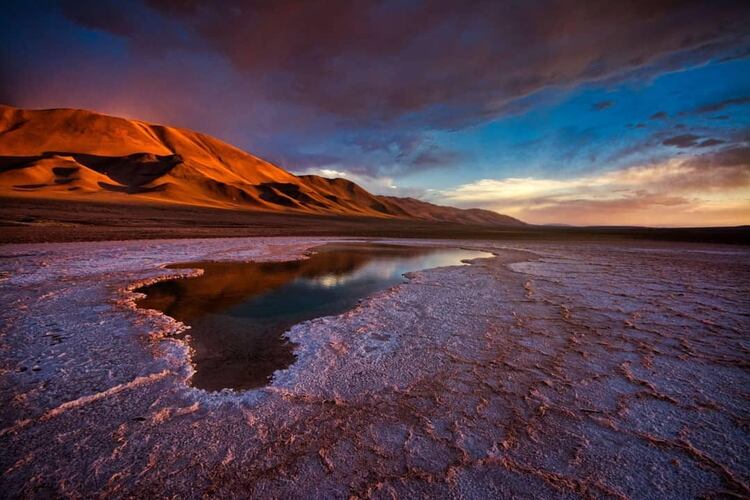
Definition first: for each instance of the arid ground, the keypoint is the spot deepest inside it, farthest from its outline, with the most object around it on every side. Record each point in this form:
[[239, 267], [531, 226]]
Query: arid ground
[[42, 220], [554, 369]]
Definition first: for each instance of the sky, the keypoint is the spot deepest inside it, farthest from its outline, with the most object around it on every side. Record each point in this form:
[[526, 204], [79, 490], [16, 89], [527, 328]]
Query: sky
[[555, 112]]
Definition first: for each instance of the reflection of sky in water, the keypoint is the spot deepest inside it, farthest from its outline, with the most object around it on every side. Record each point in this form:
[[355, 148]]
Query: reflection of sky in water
[[334, 290], [391, 268]]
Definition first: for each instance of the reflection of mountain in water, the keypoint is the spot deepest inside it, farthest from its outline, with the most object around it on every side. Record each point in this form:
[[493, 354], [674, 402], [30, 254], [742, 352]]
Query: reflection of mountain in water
[[238, 311]]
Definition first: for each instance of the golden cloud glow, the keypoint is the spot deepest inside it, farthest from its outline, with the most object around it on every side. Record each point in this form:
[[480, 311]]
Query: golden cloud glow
[[678, 192]]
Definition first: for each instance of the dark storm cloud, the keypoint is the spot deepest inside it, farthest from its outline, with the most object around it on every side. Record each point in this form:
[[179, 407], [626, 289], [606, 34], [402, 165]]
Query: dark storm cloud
[[733, 156], [692, 140], [709, 151], [710, 143], [105, 15], [682, 141], [447, 63], [718, 106]]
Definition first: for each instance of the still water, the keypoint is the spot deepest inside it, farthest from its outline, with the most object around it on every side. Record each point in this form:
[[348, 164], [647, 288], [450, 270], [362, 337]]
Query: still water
[[238, 312]]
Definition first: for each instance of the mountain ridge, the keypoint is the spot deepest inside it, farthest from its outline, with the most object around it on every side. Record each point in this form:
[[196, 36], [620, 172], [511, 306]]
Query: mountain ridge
[[81, 155]]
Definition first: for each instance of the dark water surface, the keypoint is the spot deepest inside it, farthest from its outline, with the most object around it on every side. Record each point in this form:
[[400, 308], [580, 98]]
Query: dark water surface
[[238, 312]]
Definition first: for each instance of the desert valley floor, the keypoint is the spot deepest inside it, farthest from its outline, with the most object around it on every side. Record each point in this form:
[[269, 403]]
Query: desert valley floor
[[549, 370]]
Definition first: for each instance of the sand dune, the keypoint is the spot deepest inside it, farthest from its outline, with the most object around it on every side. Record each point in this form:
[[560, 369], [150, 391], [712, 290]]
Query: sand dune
[[80, 155]]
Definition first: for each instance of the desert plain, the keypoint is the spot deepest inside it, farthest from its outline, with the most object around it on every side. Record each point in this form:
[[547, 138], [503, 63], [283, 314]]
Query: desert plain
[[550, 369]]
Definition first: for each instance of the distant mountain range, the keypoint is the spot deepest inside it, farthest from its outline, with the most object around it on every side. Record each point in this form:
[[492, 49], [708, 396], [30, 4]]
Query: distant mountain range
[[77, 155]]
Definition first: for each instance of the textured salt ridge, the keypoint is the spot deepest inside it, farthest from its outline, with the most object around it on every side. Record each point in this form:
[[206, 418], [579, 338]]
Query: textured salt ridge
[[578, 371]]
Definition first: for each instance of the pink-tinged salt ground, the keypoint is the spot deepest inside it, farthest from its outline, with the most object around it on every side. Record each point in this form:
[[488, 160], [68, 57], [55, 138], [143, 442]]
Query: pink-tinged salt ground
[[551, 370]]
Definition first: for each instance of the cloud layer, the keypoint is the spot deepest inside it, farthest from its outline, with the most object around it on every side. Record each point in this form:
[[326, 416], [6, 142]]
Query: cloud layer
[[712, 189], [446, 63]]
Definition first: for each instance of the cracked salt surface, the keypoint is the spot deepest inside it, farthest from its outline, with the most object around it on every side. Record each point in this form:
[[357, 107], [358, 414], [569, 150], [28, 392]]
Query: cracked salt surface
[[551, 370]]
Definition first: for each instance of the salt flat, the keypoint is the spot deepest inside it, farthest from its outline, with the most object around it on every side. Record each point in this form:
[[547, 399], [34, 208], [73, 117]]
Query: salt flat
[[552, 369]]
